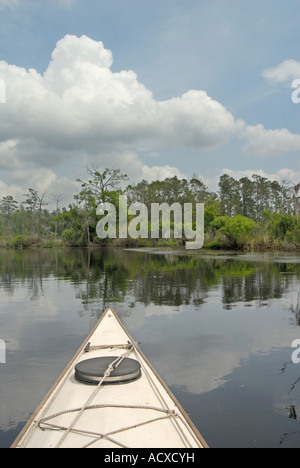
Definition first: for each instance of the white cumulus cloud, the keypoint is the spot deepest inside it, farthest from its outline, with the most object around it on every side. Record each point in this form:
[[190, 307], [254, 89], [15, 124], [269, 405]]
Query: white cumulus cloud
[[9, 4], [79, 101], [269, 143], [80, 111], [281, 175], [15, 3], [284, 73]]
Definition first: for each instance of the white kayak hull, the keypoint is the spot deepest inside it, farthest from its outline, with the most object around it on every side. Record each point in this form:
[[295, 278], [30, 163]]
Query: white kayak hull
[[142, 413]]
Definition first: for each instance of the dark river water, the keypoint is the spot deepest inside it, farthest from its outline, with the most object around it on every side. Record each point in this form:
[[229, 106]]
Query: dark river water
[[217, 327]]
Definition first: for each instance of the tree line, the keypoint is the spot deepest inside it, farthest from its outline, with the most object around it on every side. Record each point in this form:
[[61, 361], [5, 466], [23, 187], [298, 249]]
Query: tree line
[[249, 213]]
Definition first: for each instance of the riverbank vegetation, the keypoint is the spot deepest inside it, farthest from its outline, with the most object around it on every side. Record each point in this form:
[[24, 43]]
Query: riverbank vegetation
[[247, 214]]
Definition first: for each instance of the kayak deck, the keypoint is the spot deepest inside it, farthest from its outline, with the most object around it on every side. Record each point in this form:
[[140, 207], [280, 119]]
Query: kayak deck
[[139, 414]]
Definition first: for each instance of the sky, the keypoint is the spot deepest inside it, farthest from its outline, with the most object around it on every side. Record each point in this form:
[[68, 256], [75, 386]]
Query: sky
[[157, 88]]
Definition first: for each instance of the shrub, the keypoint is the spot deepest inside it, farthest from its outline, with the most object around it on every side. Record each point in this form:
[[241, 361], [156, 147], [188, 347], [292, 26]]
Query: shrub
[[283, 227], [219, 223], [217, 244], [209, 216], [237, 229], [22, 242]]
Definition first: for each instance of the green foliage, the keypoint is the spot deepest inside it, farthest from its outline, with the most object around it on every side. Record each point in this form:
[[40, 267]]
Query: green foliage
[[250, 213], [210, 214], [73, 237], [282, 227], [219, 223], [238, 230], [218, 243], [22, 242]]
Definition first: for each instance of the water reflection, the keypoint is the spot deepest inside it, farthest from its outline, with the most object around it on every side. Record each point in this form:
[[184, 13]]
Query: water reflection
[[110, 275], [217, 327], [296, 310]]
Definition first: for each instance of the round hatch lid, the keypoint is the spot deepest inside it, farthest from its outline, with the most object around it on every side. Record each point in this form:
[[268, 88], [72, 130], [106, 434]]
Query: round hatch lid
[[91, 371]]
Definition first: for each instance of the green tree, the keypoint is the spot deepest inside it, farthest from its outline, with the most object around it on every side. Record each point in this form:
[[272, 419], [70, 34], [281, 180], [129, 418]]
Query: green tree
[[7, 207], [238, 230], [100, 187], [262, 195], [57, 199], [200, 191], [34, 204], [100, 184], [229, 195], [247, 190]]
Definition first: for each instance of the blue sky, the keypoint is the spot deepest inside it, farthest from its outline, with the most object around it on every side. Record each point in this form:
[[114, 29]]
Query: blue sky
[[157, 88]]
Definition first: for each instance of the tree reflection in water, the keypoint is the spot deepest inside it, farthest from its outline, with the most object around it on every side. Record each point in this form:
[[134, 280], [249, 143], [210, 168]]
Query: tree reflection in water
[[216, 285]]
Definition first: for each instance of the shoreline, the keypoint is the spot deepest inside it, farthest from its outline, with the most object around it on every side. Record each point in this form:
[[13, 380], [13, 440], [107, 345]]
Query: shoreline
[[171, 245]]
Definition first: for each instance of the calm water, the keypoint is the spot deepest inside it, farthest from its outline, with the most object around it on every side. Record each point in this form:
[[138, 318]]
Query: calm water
[[218, 328]]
